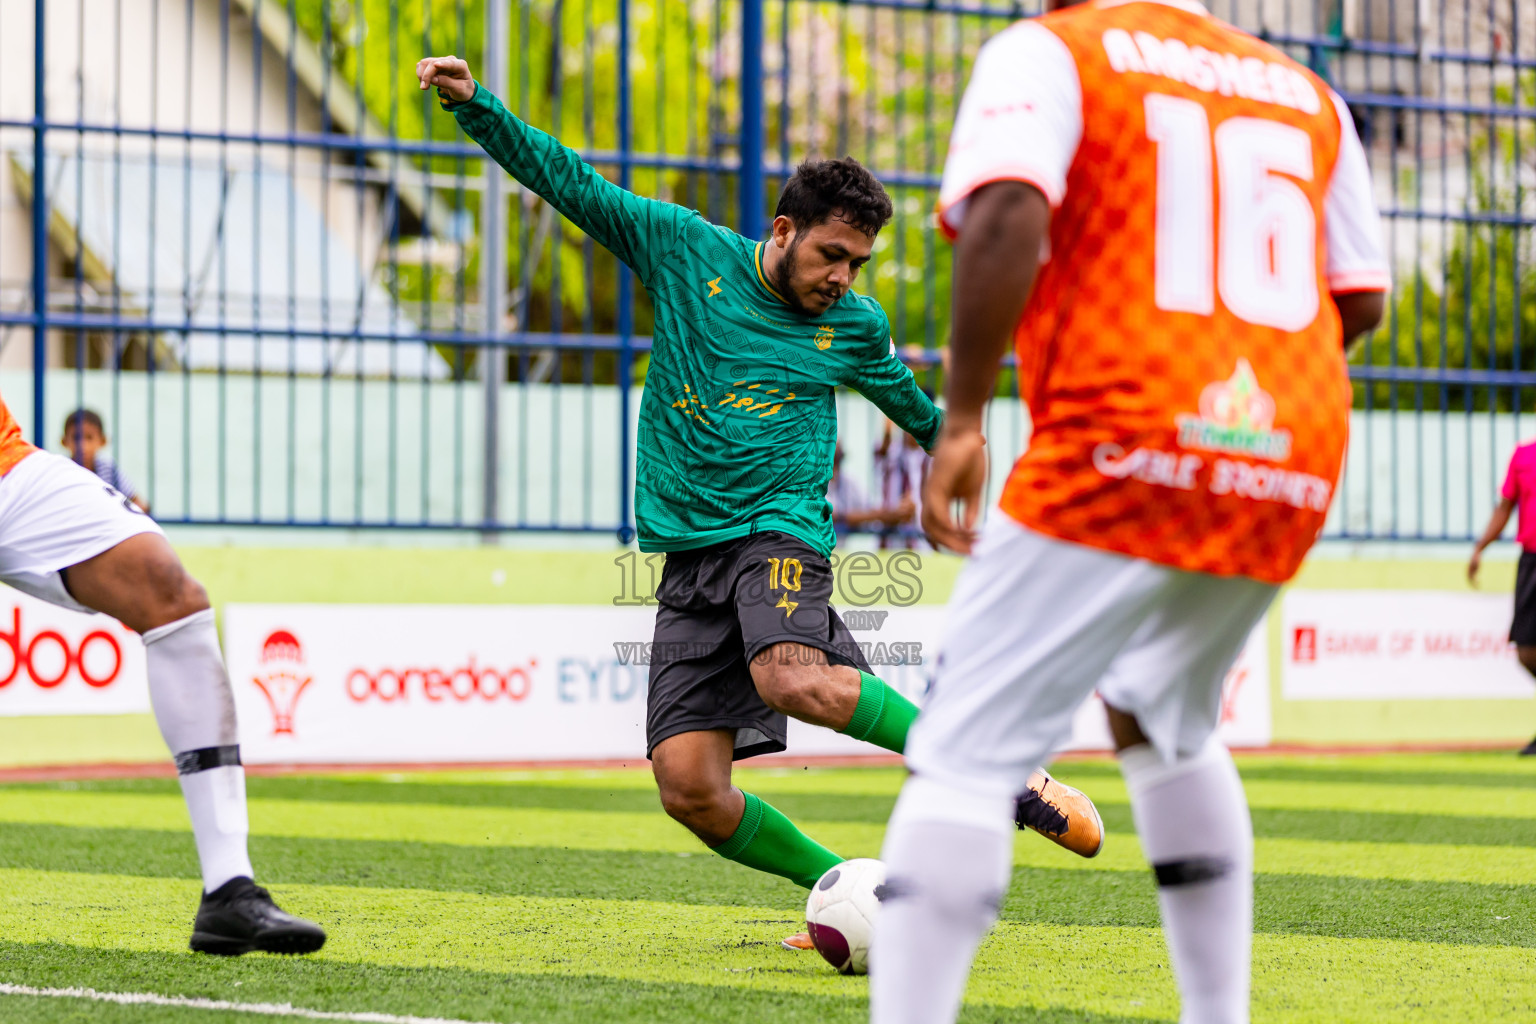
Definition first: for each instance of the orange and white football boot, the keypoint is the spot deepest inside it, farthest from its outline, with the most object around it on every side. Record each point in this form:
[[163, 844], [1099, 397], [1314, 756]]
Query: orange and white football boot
[[1062, 814]]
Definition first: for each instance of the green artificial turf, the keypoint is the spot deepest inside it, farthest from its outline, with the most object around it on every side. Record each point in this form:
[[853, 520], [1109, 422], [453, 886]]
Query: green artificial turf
[[1389, 889]]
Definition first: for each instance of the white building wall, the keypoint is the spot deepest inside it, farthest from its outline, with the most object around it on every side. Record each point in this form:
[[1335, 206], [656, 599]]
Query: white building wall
[[169, 65]]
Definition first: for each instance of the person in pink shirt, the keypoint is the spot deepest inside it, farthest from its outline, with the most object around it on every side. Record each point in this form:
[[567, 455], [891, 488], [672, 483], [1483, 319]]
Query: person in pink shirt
[[1519, 492]]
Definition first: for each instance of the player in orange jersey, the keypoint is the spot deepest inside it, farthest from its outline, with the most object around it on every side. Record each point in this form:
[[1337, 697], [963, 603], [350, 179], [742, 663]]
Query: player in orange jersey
[[1174, 221], [69, 538]]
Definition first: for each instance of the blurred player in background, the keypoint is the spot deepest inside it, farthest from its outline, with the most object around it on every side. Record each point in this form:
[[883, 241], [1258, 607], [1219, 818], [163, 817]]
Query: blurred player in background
[[69, 538], [901, 465], [851, 507], [735, 448], [1519, 492], [84, 439], [1175, 223]]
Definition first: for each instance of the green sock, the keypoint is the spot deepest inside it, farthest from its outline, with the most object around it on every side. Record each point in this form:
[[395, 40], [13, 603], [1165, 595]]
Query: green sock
[[883, 716], [768, 841]]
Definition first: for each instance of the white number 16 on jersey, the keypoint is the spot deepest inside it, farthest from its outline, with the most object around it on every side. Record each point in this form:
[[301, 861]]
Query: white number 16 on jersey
[[1268, 243]]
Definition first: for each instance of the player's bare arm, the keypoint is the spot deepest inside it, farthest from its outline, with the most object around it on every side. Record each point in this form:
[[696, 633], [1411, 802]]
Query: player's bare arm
[[1360, 313], [1493, 532], [995, 265]]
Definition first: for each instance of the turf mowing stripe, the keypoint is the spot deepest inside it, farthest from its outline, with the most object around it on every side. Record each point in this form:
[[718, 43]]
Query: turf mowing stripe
[[1494, 762], [221, 1005], [1298, 774], [324, 819], [567, 999], [626, 789], [1514, 796], [1114, 970], [648, 942], [1289, 841], [437, 864], [1397, 799], [1286, 903], [871, 807], [526, 795], [1377, 796], [653, 831]]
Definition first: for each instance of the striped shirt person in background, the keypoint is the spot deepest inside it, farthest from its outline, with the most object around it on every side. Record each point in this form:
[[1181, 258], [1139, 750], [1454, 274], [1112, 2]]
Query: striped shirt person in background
[[84, 438], [852, 510], [902, 467]]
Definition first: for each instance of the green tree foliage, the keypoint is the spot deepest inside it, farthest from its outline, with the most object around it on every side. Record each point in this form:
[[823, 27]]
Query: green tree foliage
[[1477, 311], [876, 83]]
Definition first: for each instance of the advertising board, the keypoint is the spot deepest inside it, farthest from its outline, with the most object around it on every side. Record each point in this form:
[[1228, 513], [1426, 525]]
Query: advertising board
[[58, 662], [444, 683], [1399, 645]]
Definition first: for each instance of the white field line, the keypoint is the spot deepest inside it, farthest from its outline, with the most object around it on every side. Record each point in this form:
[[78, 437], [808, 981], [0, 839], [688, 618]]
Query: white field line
[[269, 1009]]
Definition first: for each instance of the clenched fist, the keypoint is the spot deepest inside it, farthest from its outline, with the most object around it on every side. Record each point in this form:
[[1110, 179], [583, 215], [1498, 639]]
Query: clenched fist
[[450, 75]]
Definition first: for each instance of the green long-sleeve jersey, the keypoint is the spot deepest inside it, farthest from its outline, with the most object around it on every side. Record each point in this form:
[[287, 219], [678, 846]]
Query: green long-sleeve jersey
[[738, 420]]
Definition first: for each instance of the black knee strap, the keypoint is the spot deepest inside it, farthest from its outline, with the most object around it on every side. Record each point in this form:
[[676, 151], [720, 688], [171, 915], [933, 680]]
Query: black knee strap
[[1191, 871], [189, 762]]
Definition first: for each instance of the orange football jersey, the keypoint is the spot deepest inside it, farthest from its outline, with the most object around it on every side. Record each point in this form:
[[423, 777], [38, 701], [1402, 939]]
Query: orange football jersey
[[1180, 355], [13, 447]]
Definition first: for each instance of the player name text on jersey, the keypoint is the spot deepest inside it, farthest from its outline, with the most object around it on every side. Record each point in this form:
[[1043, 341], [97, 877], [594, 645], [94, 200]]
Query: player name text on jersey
[[1249, 77]]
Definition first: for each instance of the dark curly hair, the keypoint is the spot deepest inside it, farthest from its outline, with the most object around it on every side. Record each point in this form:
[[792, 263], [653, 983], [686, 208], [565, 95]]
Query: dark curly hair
[[82, 418], [843, 188]]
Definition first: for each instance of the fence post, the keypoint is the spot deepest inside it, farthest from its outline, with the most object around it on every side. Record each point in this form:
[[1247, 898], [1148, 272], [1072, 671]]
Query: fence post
[[39, 230], [493, 271], [751, 191], [626, 310]]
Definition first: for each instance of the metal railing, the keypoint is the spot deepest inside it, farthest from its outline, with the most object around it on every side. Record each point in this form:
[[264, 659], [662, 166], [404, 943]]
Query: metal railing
[[237, 228]]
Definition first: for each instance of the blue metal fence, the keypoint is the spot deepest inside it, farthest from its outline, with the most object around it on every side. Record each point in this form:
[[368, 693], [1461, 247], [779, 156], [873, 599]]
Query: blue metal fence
[[300, 297]]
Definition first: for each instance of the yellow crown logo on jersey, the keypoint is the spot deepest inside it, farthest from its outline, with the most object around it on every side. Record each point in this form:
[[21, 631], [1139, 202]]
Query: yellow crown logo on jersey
[[824, 337]]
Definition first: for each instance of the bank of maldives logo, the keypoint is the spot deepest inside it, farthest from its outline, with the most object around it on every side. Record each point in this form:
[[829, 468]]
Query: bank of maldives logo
[[282, 678], [1237, 417]]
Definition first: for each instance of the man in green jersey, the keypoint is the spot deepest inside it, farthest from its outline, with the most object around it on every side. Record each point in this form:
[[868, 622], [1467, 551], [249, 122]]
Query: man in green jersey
[[737, 429]]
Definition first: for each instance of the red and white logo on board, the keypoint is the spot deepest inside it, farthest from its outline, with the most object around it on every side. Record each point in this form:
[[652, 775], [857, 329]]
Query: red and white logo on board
[[1304, 645], [47, 657], [282, 678]]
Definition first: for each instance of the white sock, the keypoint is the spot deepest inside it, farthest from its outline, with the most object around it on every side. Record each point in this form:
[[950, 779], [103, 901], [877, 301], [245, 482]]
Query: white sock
[[195, 709], [1192, 817], [949, 856], [216, 802]]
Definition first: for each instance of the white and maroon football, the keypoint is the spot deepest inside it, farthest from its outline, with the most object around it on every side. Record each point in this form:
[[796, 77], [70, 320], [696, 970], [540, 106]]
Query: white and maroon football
[[840, 914]]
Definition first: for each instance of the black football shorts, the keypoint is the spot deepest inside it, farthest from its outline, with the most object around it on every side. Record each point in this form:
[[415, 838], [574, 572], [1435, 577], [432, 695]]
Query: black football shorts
[[720, 607], [1522, 632]]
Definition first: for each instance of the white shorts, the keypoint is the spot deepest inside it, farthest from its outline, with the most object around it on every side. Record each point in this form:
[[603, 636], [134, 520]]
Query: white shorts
[[1036, 624], [55, 514]]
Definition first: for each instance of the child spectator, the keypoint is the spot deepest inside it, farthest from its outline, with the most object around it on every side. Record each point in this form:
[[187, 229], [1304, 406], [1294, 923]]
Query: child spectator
[[84, 438]]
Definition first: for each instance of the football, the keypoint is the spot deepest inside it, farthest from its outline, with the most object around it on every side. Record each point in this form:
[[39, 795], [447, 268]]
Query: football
[[840, 914]]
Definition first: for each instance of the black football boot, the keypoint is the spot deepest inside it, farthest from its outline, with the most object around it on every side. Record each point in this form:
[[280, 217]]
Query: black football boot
[[239, 916]]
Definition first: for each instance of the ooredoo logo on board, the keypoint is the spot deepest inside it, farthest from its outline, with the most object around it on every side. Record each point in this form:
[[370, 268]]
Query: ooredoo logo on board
[[46, 657], [59, 662], [466, 683]]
